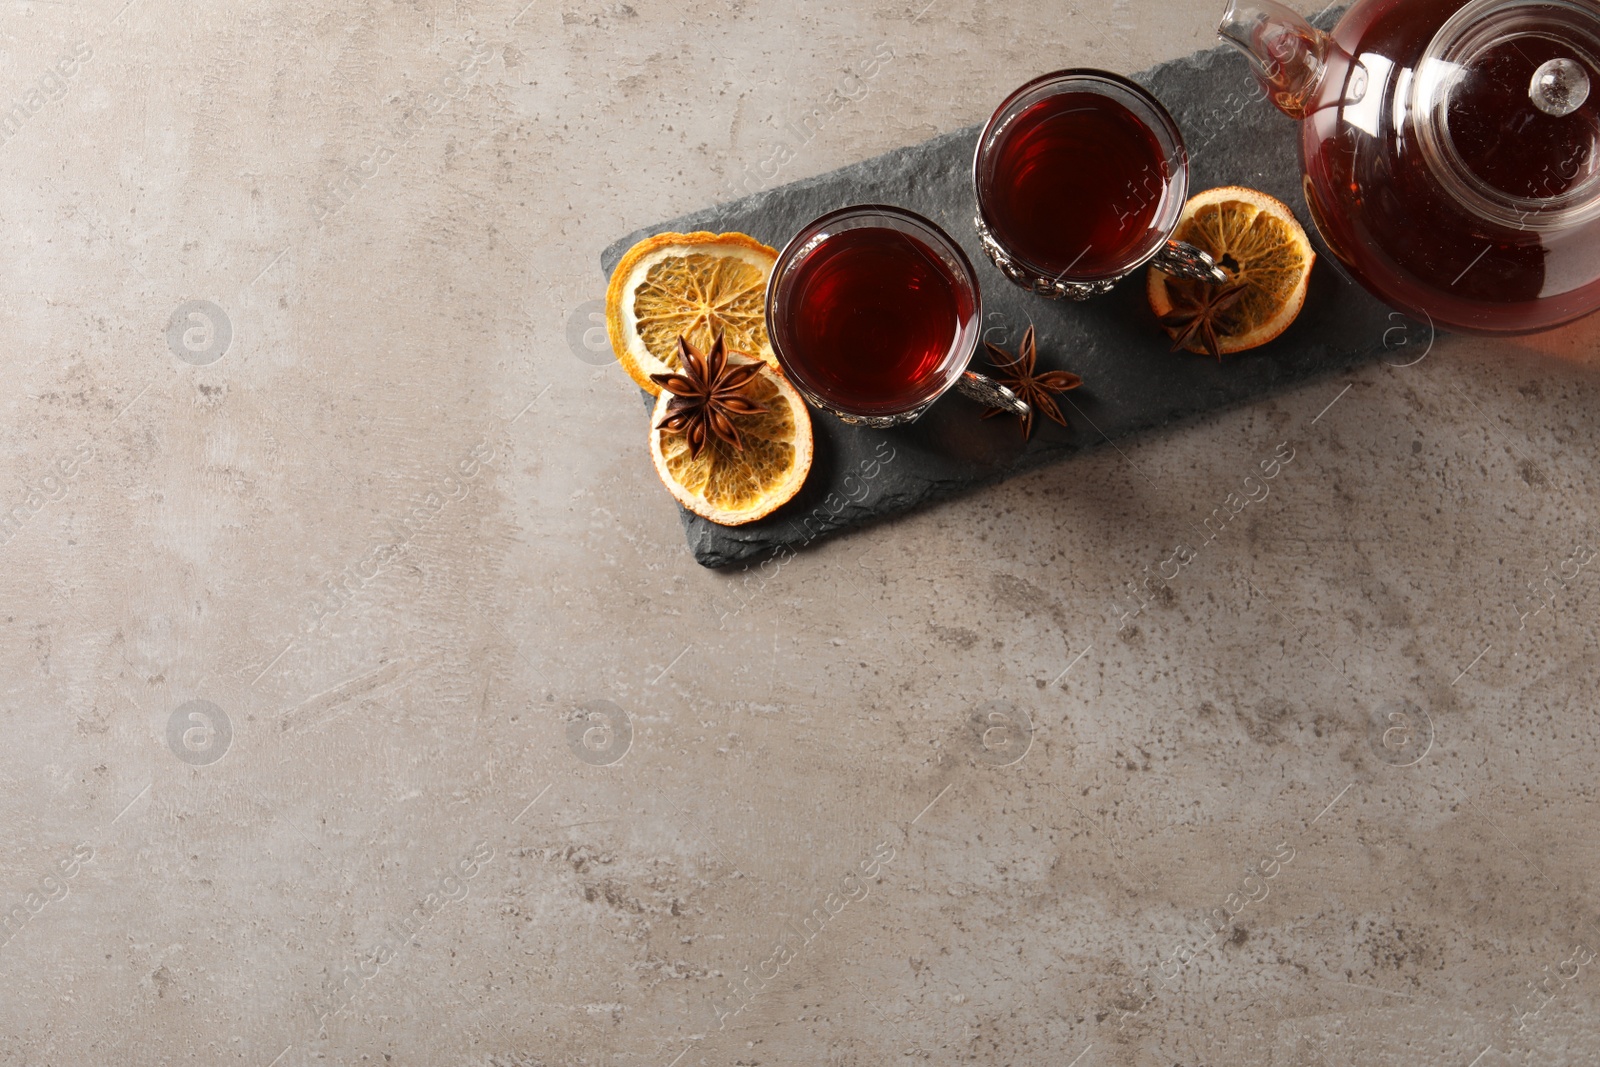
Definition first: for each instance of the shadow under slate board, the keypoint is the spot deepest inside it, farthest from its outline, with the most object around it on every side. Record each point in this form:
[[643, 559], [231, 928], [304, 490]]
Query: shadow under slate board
[[1132, 381]]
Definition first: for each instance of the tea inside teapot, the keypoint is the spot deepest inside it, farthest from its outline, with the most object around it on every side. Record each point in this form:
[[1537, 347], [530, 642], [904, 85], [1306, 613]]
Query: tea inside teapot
[[1451, 149]]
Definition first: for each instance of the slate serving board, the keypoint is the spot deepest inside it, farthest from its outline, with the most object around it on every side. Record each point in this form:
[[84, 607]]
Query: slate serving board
[[1132, 382]]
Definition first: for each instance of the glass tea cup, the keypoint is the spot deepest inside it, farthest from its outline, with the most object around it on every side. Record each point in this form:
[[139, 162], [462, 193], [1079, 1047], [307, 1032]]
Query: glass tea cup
[[874, 314], [1080, 178]]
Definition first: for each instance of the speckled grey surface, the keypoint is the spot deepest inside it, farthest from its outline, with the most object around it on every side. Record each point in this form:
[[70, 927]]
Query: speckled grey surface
[[403, 538], [1132, 382]]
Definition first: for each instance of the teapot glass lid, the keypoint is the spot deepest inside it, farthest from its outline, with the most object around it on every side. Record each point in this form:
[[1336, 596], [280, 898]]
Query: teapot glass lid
[[1506, 105]]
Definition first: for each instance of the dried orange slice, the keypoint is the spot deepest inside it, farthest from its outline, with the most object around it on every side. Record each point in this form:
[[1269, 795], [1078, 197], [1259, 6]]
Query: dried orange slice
[[1257, 240], [692, 285], [730, 486]]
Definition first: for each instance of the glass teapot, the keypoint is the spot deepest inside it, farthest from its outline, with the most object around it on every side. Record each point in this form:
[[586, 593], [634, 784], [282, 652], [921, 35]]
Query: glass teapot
[[1451, 149]]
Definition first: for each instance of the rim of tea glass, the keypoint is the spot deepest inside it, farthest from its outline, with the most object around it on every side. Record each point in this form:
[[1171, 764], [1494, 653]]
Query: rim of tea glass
[[863, 216], [1147, 108]]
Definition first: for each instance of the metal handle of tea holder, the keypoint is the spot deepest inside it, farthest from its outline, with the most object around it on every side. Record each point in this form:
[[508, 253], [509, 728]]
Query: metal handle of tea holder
[[990, 392], [1183, 260]]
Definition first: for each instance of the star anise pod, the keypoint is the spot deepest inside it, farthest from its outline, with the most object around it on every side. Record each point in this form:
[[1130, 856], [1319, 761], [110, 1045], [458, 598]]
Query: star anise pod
[[707, 396], [1195, 311], [1020, 376]]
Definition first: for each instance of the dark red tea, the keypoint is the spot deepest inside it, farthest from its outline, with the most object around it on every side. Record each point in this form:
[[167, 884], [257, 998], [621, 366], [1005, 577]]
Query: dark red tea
[[1453, 269], [1073, 185], [873, 315], [1496, 101]]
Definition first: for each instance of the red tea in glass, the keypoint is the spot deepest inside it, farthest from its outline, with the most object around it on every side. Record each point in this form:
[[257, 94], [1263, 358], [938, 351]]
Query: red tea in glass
[[1080, 178], [877, 313], [873, 313], [1076, 183]]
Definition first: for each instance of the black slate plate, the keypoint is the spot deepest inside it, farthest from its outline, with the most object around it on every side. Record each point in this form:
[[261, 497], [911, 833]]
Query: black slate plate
[[1132, 382]]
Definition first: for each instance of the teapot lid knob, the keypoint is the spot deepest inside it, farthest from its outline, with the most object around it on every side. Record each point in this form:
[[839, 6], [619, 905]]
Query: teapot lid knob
[[1559, 87]]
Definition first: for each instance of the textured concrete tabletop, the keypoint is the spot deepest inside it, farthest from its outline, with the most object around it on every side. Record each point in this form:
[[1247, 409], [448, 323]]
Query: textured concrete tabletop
[[362, 704]]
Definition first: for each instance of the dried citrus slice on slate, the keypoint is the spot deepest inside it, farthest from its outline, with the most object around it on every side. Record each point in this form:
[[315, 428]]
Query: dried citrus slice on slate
[[1257, 240], [692, 285], [730, 486]]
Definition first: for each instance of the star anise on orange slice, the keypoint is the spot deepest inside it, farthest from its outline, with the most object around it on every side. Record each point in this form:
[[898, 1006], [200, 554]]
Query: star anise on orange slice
[[1021, 376], [1197, 310], [708, 396], [1261, 244]]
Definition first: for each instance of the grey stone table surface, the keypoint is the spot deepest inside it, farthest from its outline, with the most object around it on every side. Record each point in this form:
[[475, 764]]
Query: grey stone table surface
[[362, 706]]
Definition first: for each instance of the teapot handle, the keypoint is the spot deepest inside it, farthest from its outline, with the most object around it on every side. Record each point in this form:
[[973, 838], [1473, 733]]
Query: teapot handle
[[1180, 259]]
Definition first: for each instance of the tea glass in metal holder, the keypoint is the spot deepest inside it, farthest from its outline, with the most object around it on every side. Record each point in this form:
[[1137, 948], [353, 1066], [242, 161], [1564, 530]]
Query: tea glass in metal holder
[[1171, 188], [784, 308]]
